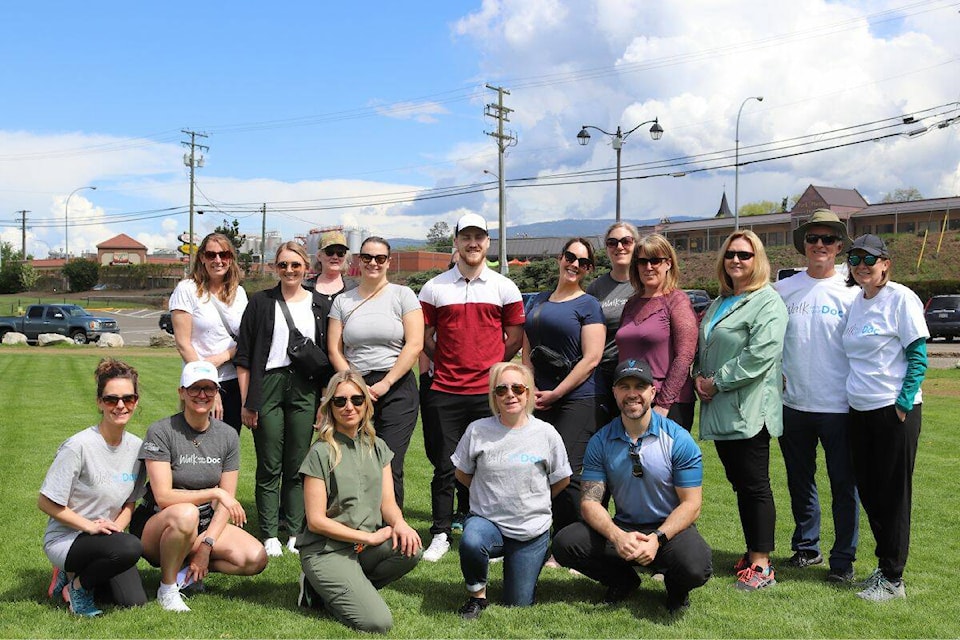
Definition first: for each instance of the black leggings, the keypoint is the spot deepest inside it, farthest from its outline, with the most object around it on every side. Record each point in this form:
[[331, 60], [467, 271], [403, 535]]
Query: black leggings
[[108, 564], [747, 465]]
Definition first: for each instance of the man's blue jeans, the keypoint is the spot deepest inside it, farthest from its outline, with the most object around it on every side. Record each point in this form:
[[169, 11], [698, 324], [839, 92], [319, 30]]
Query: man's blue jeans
[[522, 559]]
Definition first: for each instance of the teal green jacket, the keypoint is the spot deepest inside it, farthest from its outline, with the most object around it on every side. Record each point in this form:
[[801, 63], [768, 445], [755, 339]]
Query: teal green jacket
[[743, 355]]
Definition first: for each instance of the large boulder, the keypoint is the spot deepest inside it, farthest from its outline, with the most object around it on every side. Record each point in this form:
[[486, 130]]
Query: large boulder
[[47, 339], [110, 340], [13, 337], [162, 339]]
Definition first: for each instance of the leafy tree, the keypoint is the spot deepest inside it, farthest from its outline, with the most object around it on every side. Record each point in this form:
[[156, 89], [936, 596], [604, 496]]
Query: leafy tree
[[232, 231], [905, 194], [416, 280], [82, 274], [760, 208], [15, 275], [439, 237]]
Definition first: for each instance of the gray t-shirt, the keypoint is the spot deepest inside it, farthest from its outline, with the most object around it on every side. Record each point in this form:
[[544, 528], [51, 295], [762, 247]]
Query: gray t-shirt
[[196, 459], [373, 331], [512, 472], [613, 295], [93, 479]]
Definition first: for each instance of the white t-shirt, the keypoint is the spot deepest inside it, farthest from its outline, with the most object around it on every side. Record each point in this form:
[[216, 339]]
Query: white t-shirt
[[878, 330], [815, 365], [373, 331], [302, 314], [209, 336]]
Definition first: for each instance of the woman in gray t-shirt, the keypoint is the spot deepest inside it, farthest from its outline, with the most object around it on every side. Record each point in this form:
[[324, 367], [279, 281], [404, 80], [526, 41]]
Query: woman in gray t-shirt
[[89, 493]]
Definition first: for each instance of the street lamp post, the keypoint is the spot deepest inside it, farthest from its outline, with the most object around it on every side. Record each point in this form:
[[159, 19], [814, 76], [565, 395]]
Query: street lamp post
[[618, 138], [66, 214], [736, 170]]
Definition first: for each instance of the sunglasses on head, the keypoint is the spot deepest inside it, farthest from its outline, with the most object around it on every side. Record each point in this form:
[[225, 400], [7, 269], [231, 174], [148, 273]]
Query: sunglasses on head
[[341, 401], [651, 261], [637, 465], [207, 391], [365, 258], [335, 251], [742, 256], [626, 241], [517, 389], [296, 266], [127, 399], [223, 255], [826, 238], [570, 258], [868, 260]]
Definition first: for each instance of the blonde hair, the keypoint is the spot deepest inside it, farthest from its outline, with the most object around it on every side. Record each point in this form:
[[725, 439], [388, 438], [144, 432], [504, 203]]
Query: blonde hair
[[297, 248], [625, 225], [327, 424], [655, 246], [498, 370], [231, 279], [759, 277]]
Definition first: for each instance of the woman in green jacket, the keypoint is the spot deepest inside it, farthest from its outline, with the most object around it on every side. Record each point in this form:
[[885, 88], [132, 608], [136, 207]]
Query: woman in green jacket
[[739, 381]]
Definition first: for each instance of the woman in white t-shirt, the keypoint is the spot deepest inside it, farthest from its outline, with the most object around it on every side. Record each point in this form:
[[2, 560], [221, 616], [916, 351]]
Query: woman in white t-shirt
[[206, 309], [377, 329], [89, 494], [885, 340]]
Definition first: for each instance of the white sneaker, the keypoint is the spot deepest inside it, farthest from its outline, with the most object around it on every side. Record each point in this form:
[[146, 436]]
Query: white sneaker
[[292, 545], [171, 600], [273, 547], [438, 547], [496, 560]]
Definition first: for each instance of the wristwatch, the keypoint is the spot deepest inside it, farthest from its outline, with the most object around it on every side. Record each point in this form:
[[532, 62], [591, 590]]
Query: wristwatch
[[208, 541], [661, 538]]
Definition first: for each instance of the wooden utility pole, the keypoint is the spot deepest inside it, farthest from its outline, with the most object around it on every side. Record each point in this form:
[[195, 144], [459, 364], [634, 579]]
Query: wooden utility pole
[[504, 140], [263, 241], [193, 160], [23, 234]]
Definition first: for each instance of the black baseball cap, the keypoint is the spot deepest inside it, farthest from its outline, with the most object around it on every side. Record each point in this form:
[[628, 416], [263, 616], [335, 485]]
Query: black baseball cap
[[633, 368]]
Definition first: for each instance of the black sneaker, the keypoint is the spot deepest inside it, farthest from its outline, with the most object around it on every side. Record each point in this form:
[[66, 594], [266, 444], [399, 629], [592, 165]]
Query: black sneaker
[[840, 576], [678, 603], [805, 558], [473, 608], [619, 593]]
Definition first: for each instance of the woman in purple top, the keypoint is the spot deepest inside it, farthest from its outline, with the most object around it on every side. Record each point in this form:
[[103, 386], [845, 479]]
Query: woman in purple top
[[659, 325]]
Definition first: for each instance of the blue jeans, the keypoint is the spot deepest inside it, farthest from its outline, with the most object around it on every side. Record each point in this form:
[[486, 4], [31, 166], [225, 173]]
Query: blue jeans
[[802, 431], [522, 559]]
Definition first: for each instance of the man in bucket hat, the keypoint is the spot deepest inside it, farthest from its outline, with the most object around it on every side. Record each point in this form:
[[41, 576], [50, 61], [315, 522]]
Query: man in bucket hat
[[814, 399]]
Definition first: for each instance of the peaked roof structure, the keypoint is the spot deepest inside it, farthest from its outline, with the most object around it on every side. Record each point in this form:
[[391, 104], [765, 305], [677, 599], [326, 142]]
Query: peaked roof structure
[[122, 241], [724, 211]]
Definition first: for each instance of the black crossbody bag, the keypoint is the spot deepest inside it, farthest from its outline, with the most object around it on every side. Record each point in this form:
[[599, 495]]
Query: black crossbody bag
[[305, 355]]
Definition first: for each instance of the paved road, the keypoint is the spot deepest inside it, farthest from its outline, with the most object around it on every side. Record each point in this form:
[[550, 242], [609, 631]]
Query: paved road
[[136, 325]]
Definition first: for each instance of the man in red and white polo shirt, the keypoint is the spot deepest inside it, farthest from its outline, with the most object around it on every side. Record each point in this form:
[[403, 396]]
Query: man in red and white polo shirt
[[474, 319]]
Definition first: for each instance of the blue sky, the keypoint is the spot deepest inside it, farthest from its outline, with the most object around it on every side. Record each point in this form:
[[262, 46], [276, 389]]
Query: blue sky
[[363, 106]]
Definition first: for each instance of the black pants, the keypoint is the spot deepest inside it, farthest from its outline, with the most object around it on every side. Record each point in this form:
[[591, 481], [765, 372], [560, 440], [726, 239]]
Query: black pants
[[395, 418], [108, 565], [230, 397], [449, 415], [686, 561], [747, 465], [431, 435], [884, 451], [682, 413], [576, 421]]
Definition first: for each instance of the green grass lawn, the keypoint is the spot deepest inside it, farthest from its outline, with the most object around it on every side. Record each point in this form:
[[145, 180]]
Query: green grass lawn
[[48, 396]]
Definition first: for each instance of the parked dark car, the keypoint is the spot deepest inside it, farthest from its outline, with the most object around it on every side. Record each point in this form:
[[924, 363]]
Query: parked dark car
[[700, 300], [943, 316], [166, 322], [64, 319]]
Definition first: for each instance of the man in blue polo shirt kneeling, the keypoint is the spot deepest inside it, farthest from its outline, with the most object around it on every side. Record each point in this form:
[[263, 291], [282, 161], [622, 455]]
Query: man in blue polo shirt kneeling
[[654, 471]]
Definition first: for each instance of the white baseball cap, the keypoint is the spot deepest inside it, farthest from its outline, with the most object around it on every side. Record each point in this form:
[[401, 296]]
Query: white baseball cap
[[194, 372], [471, 220]]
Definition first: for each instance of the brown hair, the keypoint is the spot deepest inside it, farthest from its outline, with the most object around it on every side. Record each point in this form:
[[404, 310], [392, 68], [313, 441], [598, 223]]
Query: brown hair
[[761, 265], [231, 280], [586, 243], [110, 369], [655, 246]]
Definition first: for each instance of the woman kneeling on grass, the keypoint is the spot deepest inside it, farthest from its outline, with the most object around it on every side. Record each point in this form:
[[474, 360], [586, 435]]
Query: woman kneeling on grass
[[514, 464], [89, 494], [193, 462], [356, 540]]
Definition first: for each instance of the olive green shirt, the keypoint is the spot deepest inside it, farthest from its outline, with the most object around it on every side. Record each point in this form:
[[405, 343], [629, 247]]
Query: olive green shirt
[[354, 487]]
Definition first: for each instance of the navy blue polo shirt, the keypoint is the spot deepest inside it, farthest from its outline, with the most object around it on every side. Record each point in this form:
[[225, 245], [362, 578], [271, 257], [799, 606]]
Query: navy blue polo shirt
[[670, 459]]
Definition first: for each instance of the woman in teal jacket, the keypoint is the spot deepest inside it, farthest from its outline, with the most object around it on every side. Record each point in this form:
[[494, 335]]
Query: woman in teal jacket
[[739, 381]]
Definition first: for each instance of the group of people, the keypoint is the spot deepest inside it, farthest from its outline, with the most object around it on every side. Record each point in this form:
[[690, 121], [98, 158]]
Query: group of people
[[600, 405]]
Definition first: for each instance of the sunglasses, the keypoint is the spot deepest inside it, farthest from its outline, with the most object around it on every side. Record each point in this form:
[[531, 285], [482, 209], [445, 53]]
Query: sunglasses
[[570, 258], [365, 258], [742, 256], [335, 251], [867, 260], [826, 238], [296, 266], [341, 401], [626, 241], [637, 466], [206, 391], [223, 255], [517, 388], [112, 401], [643, 262]]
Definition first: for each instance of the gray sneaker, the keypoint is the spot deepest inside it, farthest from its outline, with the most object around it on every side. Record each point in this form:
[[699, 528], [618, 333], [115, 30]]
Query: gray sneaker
[[883, 590], [871, 580]]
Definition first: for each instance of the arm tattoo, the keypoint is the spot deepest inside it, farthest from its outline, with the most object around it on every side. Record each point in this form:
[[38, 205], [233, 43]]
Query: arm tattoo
[[592, 491]]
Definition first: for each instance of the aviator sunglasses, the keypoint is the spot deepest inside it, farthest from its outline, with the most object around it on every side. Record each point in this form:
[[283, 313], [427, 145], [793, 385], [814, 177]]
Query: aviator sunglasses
[[341, 401], [127, 399], [365, 258], [223, 255], [517, 388], [296, 266], [637, 466], [826, 238], [570, 258], [626, 241], [868, 260]]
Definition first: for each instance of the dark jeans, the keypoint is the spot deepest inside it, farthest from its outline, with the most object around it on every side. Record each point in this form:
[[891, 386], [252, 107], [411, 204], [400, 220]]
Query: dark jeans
[[431, 435], [108, 565], [449, 415], [395, 418], [802, 431], [884, 453], [747, 465], [576, 421], [686, 561], [230, 397], [522, 559]]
